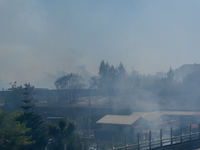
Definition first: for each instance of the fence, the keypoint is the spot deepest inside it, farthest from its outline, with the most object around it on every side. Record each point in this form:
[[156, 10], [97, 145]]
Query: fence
[[152, 144]]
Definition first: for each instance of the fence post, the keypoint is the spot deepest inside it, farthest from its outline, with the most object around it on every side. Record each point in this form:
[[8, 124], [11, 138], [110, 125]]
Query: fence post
[[160, 137], [199, 130], [65, 147], [125, 142], [190, 132], [98, 144], [82, 145], [138, 141], [112, 144], [181, 135], [171, 135], [149, 139]]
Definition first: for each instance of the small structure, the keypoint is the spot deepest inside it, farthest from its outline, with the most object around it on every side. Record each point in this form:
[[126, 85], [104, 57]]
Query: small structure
[[122, 123], [112, 125]]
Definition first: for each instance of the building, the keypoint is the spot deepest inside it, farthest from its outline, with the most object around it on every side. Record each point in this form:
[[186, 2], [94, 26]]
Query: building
[[137, 122]]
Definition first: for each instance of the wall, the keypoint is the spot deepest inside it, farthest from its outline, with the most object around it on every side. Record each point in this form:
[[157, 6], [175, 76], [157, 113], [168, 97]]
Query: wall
[[115, 128]]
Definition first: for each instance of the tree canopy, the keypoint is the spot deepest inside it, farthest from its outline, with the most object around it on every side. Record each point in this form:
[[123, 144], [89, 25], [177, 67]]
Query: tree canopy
[[13, 132], [70, 81], [63, 134]]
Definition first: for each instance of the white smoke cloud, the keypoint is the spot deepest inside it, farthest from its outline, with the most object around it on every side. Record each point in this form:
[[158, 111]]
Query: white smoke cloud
[[43, 37]]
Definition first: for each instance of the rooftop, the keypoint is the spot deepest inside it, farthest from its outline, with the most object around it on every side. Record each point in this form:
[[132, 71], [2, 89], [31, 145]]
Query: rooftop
[[120, 119], [152, 116]]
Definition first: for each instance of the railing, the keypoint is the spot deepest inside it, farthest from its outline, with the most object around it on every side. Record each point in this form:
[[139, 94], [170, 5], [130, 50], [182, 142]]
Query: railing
[[151, 144]]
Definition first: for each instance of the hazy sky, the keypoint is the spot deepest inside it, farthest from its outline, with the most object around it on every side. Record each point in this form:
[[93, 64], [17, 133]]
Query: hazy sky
[[41, 39]]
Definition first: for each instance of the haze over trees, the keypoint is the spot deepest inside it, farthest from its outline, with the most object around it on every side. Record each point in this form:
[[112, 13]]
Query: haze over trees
[[116, 82], [71, 82], [119, 86], [109, 78], [115, 85]]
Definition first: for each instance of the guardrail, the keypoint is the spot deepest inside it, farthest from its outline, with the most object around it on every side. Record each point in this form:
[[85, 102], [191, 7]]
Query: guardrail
[[151, 144]]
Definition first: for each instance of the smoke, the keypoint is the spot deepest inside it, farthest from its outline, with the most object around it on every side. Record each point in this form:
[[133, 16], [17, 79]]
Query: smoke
[[48, 80], [40, 38]]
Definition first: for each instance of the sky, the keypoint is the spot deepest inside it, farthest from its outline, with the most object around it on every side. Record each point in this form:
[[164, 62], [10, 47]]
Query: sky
[[43, 40]]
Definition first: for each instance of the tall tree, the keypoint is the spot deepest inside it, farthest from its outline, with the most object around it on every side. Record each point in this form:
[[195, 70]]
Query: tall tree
[[26, 100], [110, 78], [170, 75], [104, 69], [33, 121], [121, 70], [104, 77]]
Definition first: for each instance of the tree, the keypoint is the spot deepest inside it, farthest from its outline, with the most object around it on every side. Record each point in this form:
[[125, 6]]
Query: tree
[[166, 88], [110, 78], [192, 80], [121, 82], [170, 76], [13, 99], [26, 100], [103, 68], [63, 134], [33, 121], [12, 132], [121, 70], [94, 82], [72, 83], [62, 124], [105, 76]]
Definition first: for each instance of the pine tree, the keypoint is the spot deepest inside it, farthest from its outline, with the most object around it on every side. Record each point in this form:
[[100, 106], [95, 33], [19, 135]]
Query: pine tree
[[26, 100], [34, 121]]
